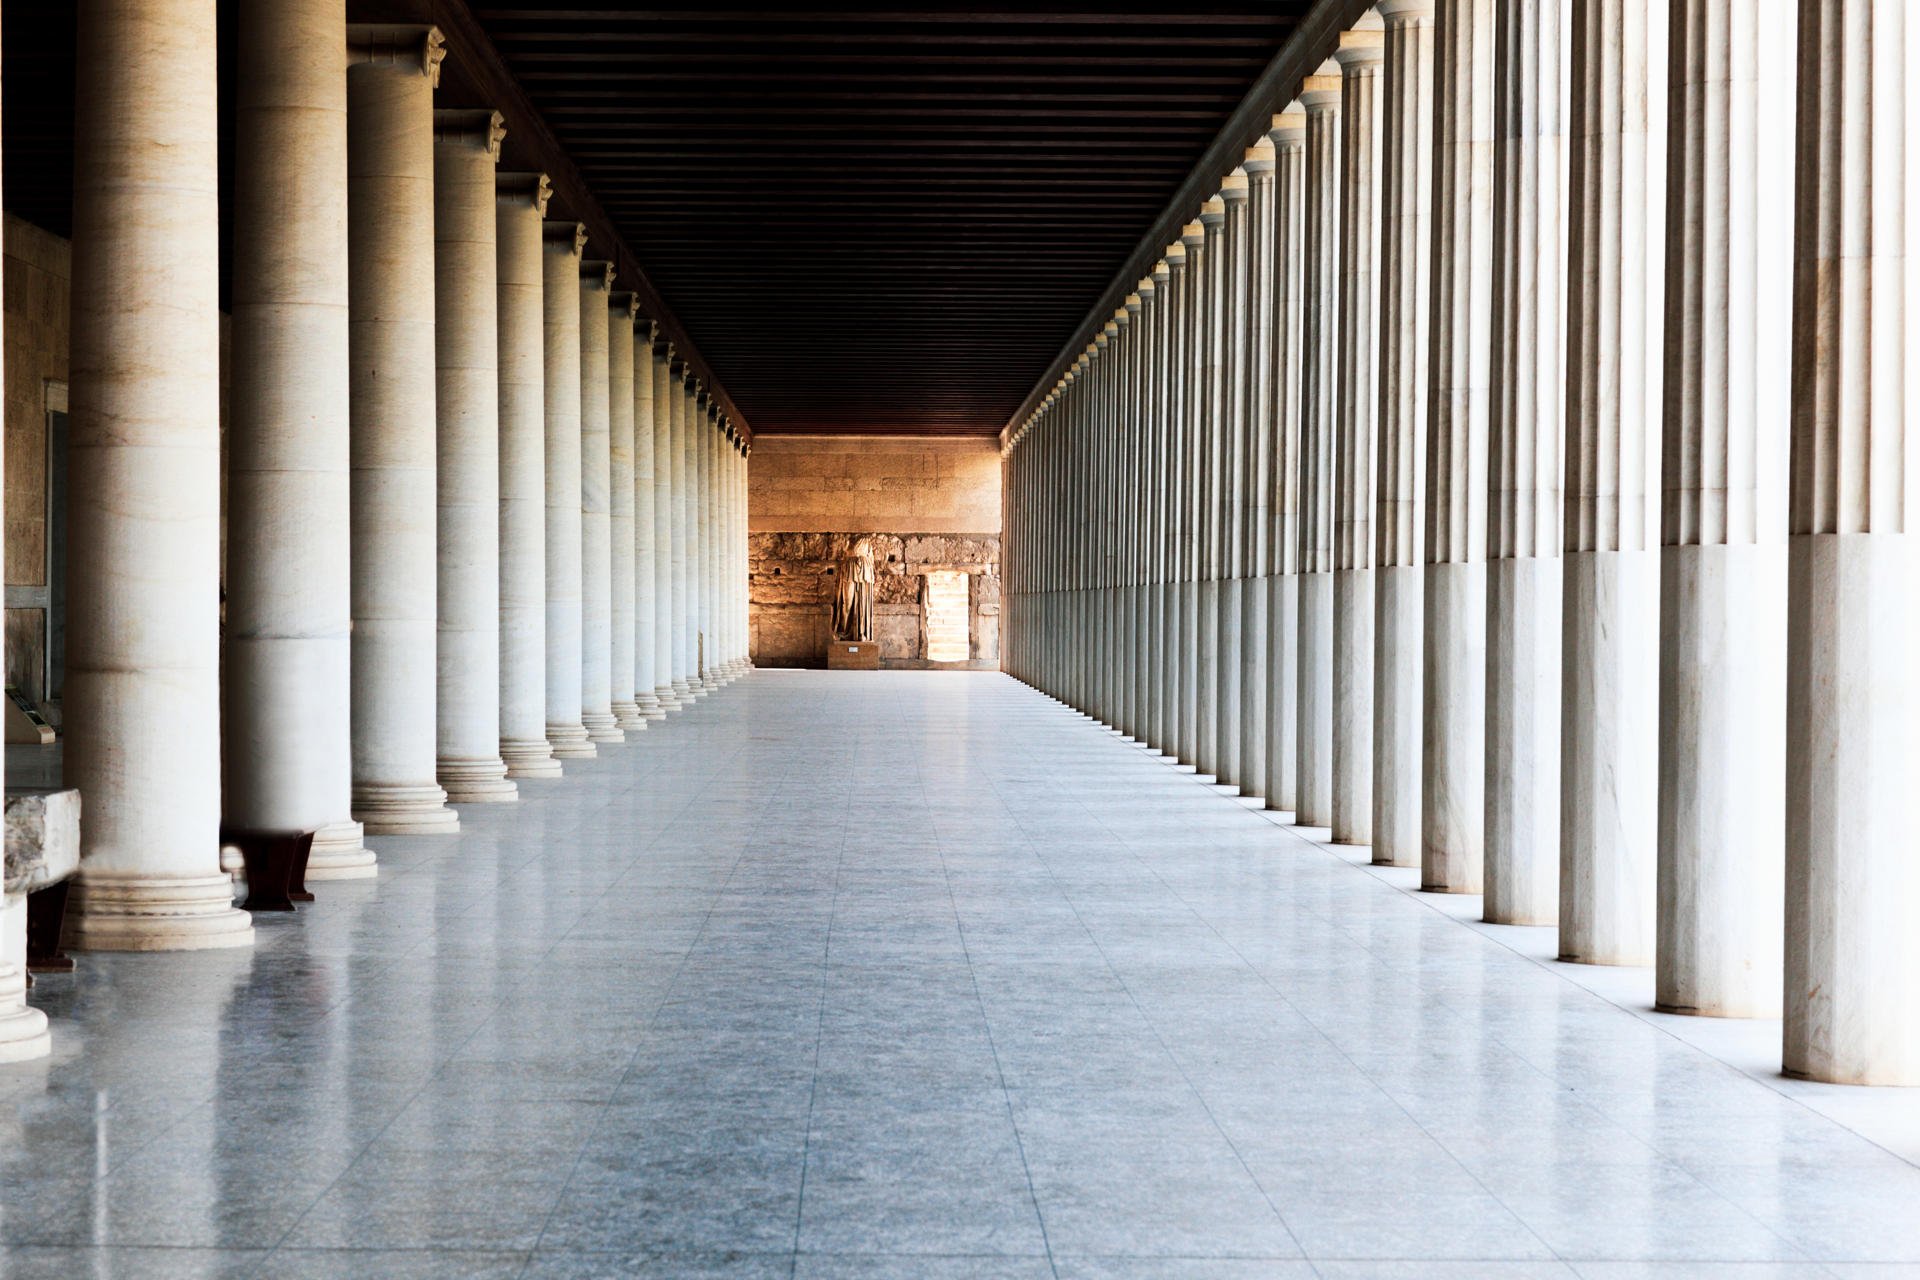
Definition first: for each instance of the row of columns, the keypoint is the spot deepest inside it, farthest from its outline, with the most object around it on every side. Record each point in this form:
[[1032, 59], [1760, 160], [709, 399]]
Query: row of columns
[[482, 517], [1502, 472]]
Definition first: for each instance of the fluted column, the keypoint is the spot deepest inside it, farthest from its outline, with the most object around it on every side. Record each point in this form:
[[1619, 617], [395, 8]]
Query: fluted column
[[1288, 134], [144, 478], [1852, 1009], [286, 731], [1522, 833], [1319, 360], [1453, 760], [1190, 446], [710, 545], [520, 206], [1139, 501], [646, 595], [1356, 404], [1610, 676], [1230, 413], [620, 506], [1259, 430], [1406, 194], [566, 729], [663, 541], [467, 396], [596, 513], [1208, 263], [1160, 491], [1723, 567], [682, 637], [390, 217]]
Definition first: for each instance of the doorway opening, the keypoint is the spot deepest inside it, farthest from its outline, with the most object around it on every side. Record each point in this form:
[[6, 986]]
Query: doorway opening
[[947, 614]]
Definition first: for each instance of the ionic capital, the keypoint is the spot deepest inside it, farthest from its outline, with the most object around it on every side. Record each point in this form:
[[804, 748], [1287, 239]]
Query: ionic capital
[[565, 236], [532, 187], [407, 46], [481, 128], [595, 274]]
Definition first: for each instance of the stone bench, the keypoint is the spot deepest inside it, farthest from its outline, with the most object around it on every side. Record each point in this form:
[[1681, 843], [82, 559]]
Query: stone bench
[[42, 853]]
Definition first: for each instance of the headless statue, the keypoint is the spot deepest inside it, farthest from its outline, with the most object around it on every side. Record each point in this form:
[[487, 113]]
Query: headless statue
[[853, 594]]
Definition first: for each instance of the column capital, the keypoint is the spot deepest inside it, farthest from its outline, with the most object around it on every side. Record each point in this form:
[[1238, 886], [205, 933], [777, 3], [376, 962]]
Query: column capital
[[596, 274], [1289, 126], [564, 235], [1163, 269], [1364, 44], [1259, 158], [1131, 307], [1148, 286], [409, 46], [1393, 12], [1212, 214], [473, 127], [1320, 92], [1192, 236], [532, 187], [625, 304], [1233, 189]]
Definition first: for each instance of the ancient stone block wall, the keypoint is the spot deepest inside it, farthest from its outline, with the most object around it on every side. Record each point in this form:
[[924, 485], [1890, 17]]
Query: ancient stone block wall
[[791, 595]]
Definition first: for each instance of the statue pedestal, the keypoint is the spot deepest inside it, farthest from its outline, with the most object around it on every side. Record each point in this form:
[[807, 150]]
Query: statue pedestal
[[853, 655]]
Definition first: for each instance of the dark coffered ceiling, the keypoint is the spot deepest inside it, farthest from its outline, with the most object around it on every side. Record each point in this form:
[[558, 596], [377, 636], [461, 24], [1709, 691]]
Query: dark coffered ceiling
[[891, 218]]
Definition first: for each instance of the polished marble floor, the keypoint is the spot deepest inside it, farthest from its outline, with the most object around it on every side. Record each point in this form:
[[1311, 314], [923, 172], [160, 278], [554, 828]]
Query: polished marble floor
[[902, 974]]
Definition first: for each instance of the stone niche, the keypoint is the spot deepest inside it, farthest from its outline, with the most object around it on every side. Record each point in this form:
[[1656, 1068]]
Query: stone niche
[[791, 595]]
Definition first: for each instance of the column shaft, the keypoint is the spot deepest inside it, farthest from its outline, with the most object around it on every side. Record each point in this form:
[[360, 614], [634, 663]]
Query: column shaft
[[596, 514], [561, 334], [143, 638], [646, 593], [390, 257], [1288, 133], [520, 205], [286, 730], [467, 399], [620, 507]]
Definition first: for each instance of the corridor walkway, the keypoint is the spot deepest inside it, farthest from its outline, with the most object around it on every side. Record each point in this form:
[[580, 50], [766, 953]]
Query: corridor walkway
[[901, 974]]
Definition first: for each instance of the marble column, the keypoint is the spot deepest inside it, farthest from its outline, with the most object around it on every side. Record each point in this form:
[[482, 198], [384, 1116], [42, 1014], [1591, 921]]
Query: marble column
[[520, 207], [1230, 416], [682, 507], [1288, 134], [1406, 195], [1139, 669], [1360, 57], [664, 389], [646, 620], [710, 545], [1188, 447], [1161, 470], [560, 262], [596, 514], [1723, 559], [1319, 361], [467, 399], [390, 256], [286, 730], [1453, 756], [1610, 610], [620, 506], [1852, 1007], [1260, 429], [1522, 831], [1208, 262], [143, 597]]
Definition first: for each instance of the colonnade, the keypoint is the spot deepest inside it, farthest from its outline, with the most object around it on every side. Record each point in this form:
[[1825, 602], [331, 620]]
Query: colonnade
[[1506, 470], [482, 517]]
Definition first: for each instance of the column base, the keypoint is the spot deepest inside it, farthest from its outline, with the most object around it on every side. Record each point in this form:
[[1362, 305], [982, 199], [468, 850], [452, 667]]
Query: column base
[[683, 689], [23, 1031], [649, 704], [667, 699], [627, 716], [118, 911], [338, 853], [401, 809], [602, 727], [476, 781], [529, 758], [569, 742]]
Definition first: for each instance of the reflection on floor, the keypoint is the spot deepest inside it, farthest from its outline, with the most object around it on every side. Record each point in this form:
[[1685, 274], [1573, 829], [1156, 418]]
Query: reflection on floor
[[899, 974]]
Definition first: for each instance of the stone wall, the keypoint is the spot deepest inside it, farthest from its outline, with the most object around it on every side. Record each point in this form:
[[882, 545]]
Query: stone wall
[[928, 504], [791, 595]]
